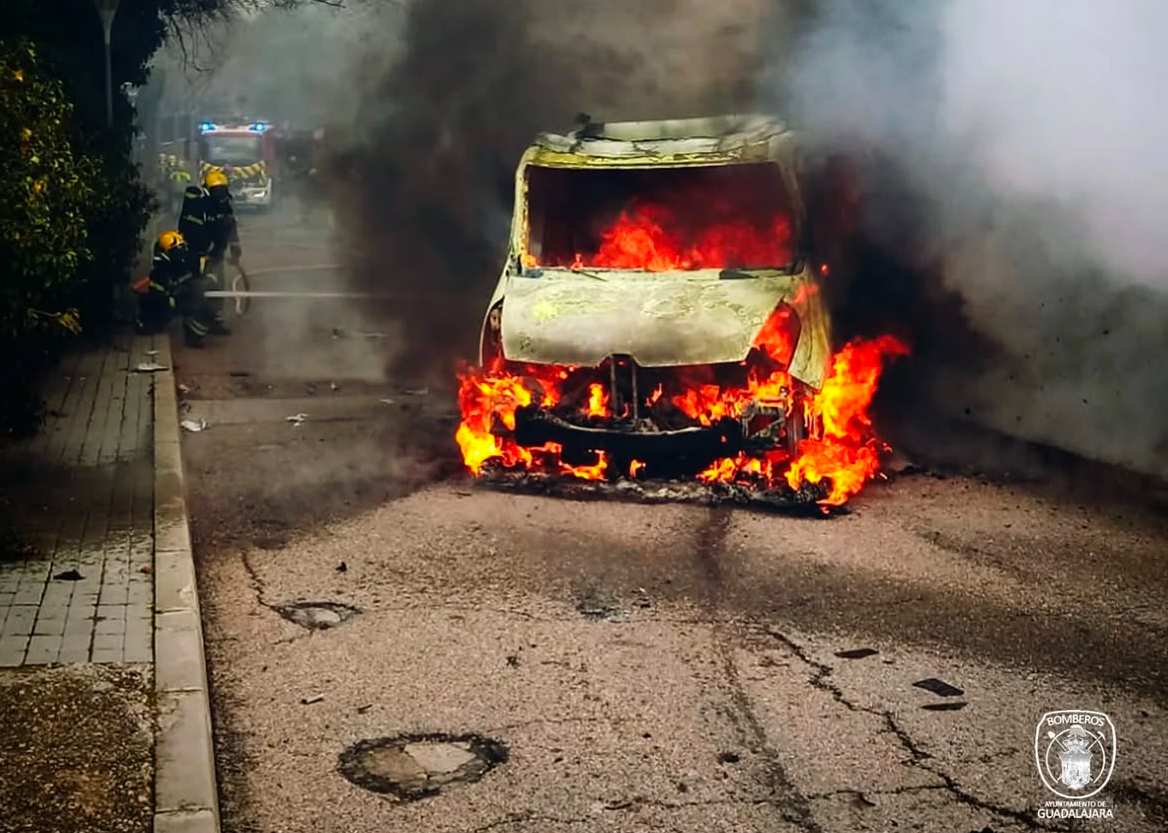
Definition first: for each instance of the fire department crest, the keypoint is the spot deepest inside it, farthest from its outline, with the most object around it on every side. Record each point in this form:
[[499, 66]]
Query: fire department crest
[[1075, 752]]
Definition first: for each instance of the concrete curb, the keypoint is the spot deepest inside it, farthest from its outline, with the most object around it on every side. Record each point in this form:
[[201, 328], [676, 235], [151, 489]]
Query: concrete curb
[[186, 796]]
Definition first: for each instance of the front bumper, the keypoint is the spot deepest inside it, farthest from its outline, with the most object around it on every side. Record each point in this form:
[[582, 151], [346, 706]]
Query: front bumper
[[535, 427]]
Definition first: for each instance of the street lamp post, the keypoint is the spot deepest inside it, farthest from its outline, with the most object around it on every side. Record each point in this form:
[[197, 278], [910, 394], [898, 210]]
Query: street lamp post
[[106, 9]]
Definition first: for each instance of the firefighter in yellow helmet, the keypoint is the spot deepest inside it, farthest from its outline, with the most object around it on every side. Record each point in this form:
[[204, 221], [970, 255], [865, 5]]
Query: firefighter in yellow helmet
[[224, 229], [156, 302], [174, 285], [208, 222]]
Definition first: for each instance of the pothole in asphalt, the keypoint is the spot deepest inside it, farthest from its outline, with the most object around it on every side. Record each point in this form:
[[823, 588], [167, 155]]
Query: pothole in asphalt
[[316, 616], [410, 767], [595, 603]]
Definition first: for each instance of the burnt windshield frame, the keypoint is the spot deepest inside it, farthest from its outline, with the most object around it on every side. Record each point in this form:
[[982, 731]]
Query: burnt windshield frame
[[568, 208]]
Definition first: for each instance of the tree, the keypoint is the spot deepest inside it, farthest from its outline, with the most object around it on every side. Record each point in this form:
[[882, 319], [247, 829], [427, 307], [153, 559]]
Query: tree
[[43, 222]]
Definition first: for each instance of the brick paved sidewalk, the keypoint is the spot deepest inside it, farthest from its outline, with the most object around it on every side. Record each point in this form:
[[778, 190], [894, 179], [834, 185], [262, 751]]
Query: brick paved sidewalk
[[80, 495]]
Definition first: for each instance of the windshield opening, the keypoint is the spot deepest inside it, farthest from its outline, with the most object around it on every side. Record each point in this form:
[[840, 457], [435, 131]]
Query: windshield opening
[[233, 150], [664, 219]]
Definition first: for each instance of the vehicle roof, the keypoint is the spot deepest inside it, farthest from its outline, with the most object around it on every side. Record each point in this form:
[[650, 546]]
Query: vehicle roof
[[735, 137]]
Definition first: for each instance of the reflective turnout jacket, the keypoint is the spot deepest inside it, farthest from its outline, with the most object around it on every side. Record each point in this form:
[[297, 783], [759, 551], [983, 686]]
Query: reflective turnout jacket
[[170, 269], [207, 222]]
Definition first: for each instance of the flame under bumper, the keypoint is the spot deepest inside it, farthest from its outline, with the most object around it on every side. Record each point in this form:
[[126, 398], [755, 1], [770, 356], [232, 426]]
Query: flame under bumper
[[693, 445]]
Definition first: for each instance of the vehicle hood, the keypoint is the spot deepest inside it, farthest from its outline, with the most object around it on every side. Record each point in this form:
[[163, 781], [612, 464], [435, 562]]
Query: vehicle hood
[[659, 319]]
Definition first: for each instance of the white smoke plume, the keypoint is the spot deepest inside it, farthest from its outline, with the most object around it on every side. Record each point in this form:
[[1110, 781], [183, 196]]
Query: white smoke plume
[[1031, 137]]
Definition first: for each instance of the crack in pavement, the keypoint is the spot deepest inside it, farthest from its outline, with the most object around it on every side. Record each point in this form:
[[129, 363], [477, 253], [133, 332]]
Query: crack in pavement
[[792, 805], [259, 588], [917, 756], [257, 583]]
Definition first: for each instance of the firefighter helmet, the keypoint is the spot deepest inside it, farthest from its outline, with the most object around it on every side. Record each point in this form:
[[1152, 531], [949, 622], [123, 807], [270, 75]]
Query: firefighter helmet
[[214, 178], [169, 240]]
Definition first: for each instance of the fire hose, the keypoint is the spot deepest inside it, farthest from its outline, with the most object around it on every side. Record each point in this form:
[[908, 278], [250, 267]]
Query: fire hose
[[242, 293], [231, 293]]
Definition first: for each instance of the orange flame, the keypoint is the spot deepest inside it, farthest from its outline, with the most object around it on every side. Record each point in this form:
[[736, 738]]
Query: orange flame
[[651, 236], [489, 395], [597, 400], [843, 456], [657, 238], [848, 454], [594, 472]]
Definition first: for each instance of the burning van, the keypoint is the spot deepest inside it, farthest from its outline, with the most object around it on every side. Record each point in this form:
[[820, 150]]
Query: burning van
[[659, 314]]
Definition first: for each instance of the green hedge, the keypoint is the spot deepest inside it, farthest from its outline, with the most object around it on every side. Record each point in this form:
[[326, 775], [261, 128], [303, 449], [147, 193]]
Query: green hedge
[[49, 195], [44, 227]]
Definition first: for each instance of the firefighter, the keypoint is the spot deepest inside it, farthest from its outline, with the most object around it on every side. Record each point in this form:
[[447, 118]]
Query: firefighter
[[208, 222], [156, 300], [174, 284], [221, 218]]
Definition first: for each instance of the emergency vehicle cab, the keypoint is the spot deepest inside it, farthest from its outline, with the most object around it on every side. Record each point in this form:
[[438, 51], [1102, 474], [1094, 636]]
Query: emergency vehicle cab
[[246, 152]]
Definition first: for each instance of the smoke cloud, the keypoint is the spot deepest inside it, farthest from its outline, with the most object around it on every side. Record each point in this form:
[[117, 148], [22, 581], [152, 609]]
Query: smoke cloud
[[425, 177], [1013, 156], [1005, 162]]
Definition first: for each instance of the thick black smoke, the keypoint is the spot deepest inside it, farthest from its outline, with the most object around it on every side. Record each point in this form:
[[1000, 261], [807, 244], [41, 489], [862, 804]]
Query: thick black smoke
[[426, 172], [989, 181]]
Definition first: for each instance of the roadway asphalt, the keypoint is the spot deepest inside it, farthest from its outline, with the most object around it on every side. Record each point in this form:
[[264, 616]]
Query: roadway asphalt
[[646, 667]]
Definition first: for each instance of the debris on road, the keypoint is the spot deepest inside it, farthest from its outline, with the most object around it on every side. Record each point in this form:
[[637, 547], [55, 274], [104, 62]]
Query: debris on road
[[184, 389], [387, 401], [417, 392], [334, 387], [194, 425], [944, 707], [939, 687], [856, 653], [68, 575], [308, 701], [149, 367], [296, 419], [342, 567]]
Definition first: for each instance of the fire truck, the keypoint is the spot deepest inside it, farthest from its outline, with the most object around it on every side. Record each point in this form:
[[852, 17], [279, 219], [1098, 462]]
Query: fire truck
[[246, 152]]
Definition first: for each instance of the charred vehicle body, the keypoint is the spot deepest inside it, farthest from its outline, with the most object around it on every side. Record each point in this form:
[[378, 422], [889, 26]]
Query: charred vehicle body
[[659, 307]]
